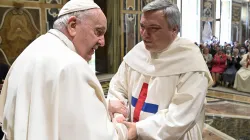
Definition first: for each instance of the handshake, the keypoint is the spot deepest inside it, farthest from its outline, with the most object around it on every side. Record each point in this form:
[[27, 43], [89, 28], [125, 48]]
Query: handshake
[[119, 113]]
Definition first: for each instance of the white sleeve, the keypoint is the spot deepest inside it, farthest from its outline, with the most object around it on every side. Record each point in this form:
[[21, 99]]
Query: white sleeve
[[118, 85], [243, 62], [81, 115], [181, 115]]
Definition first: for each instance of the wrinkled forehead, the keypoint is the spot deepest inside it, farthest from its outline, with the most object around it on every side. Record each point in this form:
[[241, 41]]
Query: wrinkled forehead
[[96, 17], [153, 17]]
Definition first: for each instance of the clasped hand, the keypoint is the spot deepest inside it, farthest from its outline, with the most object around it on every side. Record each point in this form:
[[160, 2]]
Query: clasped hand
[[115, 107]]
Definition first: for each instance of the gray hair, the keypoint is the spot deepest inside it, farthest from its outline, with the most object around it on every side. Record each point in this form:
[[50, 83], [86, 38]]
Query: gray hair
[[62, 21], [170, 10]]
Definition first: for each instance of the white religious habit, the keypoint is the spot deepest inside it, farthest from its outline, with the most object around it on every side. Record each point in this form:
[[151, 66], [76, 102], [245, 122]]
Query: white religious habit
[[242, 78], [166, 91], [50, 93]]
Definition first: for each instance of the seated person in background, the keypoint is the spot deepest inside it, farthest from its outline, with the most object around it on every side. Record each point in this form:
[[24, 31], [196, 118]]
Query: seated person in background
[[213, 49], [236, 56], [201, 46], [233, 64], [242, 78], [208, 57], [218, 65], [228, 50], [246, 45], [242, 51]]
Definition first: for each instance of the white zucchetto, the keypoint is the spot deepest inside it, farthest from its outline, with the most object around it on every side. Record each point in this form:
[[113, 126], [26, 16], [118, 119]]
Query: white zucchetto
[[77, 5]]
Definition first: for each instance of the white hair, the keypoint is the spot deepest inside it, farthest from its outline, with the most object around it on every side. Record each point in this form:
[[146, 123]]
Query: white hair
[[62, 21], [170, 10]]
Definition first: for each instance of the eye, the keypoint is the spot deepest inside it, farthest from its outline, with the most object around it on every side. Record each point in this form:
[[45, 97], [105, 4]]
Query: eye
[[154, 29], [142, 26], [99, 32]]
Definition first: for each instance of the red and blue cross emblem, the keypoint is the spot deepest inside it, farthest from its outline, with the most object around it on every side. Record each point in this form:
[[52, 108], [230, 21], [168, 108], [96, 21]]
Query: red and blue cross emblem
[[141, 105]]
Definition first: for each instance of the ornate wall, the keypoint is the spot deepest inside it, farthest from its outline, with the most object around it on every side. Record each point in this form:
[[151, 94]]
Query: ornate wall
[[207, 19], [22, 21], [236, 19]]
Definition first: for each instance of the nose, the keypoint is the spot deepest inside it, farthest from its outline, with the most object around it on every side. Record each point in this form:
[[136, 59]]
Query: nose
[[101, 41], [144, 33]]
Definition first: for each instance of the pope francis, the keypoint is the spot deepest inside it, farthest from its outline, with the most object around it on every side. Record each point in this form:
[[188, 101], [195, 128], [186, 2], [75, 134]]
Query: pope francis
[[50, 93]]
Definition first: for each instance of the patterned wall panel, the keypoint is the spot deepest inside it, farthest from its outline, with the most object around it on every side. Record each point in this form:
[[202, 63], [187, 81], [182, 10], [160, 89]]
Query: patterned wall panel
[[18, 29], [31, 0], [51, 16], [236, 12], [131, 31], [208, 8], [130, 5], [236, 18], [207, 19], [248, 21], [35, 14], [54, 1]]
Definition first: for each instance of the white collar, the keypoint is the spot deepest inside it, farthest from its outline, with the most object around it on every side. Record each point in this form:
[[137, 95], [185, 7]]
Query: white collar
[[63, 38]]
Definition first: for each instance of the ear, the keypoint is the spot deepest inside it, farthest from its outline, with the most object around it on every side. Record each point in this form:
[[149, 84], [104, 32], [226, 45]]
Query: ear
[[175, 29], [71, 27]]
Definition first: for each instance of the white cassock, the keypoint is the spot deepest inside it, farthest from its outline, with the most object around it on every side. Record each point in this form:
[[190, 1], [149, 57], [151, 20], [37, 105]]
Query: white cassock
[[166, 91], [242, 78], [50, 93]]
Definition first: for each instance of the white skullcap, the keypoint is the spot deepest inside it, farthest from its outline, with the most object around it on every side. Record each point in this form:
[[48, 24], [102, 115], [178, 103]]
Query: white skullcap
[[77, 5]]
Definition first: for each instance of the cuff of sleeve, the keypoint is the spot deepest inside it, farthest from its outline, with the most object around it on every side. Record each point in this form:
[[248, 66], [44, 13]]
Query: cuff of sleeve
[[122, 131], [139, 128], [107, 103]]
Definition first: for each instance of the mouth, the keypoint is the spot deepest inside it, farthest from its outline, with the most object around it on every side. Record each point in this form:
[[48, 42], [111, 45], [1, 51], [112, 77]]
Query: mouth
[[93, 49], [146, 41]]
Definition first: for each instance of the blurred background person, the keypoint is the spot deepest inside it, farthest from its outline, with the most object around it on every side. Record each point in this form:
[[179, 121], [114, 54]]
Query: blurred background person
[[242, 79], [233, 65], [218, 65], [208, 57]]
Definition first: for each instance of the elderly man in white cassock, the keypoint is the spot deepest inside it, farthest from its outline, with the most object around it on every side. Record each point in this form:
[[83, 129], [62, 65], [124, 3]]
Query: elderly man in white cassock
[[50, 92], [164, 78]]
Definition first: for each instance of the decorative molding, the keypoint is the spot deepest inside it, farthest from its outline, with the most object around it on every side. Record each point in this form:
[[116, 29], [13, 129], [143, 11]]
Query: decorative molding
[[114, 34], [51, 16], [18, 33], [19, 11], [54, 1]]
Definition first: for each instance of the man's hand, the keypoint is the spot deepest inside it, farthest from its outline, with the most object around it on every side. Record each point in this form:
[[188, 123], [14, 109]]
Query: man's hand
[[117, 106], [132, 133], [118, 118]]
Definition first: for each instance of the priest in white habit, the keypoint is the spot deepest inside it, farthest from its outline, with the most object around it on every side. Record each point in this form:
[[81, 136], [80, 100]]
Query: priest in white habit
[[242, 78], [50, 93], [164, 78]]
